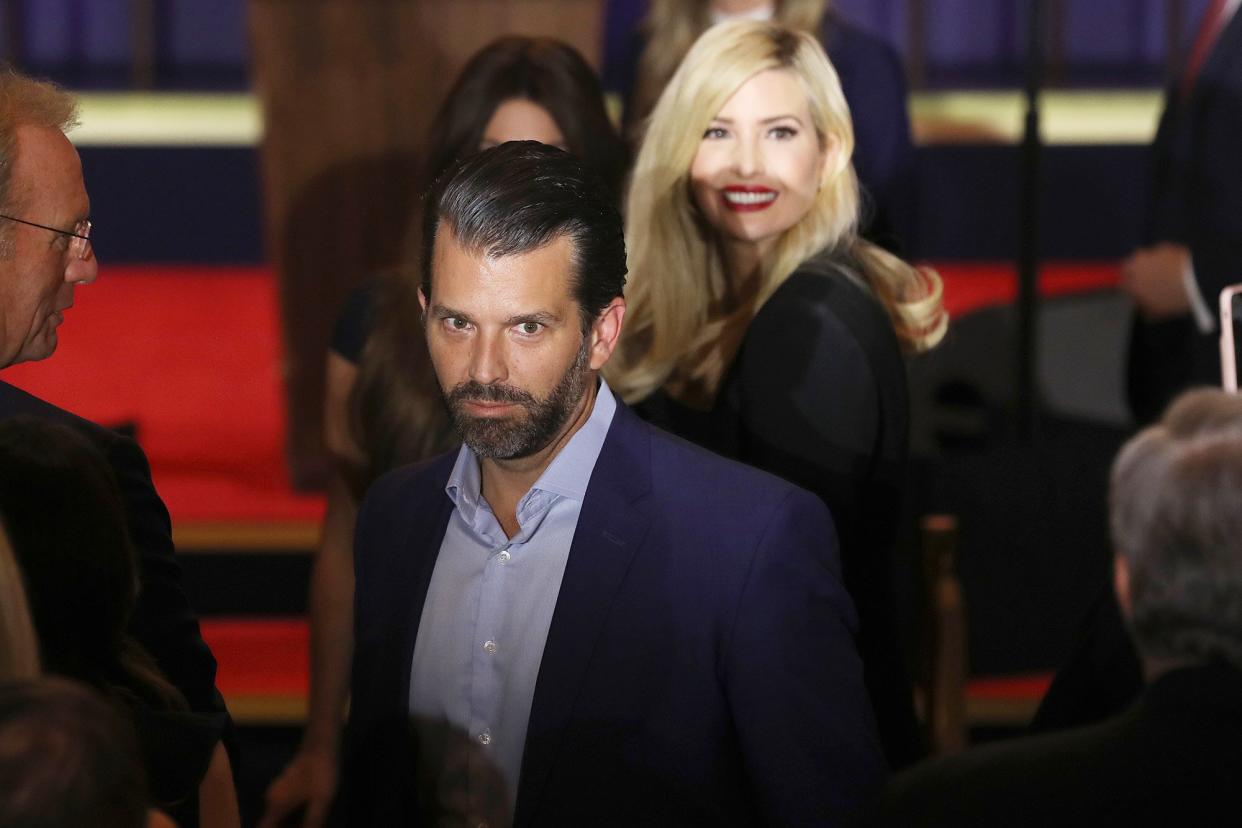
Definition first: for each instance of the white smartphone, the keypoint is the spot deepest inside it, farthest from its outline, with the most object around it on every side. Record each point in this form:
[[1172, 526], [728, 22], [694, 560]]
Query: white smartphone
[[1230, 336]]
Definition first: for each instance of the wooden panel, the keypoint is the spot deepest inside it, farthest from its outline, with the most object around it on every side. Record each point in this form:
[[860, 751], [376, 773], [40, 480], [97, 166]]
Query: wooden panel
[[348, 91]]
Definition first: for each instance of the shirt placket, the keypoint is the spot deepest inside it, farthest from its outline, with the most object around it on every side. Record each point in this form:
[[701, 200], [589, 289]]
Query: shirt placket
[[486, 663]]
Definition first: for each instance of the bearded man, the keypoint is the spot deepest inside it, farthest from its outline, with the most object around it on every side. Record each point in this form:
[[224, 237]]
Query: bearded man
[[575, 618]]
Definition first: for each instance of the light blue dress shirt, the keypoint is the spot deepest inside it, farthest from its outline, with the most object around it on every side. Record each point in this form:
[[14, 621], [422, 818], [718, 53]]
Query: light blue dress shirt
[[486, 620]]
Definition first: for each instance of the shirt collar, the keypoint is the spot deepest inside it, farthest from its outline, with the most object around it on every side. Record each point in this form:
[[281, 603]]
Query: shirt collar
[[566, 476]]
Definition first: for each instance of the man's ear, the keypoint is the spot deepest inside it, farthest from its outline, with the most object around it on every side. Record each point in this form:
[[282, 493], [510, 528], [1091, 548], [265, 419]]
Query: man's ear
[[605, 331], [422, 300], [1121, 584]]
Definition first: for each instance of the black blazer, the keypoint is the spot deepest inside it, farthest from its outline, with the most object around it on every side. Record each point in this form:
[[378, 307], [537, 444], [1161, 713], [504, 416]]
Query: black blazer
[[817, 395], [1174, 758], [163, 621]]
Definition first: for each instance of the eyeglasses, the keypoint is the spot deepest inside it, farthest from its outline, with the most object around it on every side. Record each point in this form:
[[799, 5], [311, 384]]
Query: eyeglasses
[[79, 239]]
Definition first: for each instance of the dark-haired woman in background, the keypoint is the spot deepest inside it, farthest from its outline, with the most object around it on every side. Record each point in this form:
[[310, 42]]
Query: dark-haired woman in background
[[382, 406], [62, 510], [638, 66]]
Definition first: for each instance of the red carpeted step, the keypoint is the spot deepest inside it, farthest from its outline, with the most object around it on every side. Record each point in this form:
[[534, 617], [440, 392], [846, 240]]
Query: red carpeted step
[[192, 356]]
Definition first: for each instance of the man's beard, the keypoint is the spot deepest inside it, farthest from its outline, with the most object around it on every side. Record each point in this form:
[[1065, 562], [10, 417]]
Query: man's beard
[[523, 434]]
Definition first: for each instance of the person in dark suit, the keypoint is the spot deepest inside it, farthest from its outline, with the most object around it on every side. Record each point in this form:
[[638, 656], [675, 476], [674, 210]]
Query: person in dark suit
[[1194, 243], [45, 252], [584, 620], [762, 326], [1193, 250], [1174, 756], [645, 41]]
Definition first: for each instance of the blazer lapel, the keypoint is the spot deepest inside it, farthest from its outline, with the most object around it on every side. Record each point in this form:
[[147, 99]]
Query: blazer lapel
[[610, 530], [426, 533]]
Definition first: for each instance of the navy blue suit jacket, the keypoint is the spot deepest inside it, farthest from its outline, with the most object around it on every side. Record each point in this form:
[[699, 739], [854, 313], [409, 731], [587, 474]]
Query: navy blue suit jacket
[[700, 666]]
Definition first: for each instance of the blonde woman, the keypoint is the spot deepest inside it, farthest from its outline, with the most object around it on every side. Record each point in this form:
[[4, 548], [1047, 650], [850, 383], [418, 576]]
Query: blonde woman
[[760, 325], [639, 61]]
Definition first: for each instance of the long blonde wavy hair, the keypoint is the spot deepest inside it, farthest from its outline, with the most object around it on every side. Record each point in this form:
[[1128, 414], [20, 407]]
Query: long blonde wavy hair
[[677, 296], [672, 26]]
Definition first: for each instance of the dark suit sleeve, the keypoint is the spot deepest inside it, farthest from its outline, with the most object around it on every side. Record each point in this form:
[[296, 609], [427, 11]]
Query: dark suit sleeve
[[163, 621], [1197, 169], [824, 407], [1214, 197], [377, 762], [794, 681]]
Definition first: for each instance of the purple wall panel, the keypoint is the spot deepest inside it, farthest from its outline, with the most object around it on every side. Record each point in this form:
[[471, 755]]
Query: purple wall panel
[[206, 33], [968, 40]]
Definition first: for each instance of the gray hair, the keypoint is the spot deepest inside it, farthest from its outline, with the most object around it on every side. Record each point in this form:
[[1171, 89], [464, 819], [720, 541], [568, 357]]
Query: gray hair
[[26, 101], [1176, 517]]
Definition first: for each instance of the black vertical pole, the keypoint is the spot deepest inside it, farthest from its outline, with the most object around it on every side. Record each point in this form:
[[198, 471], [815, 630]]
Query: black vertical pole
[[1028, 261]]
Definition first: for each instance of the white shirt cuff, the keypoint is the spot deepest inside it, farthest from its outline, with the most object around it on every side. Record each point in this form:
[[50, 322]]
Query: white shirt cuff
[[1205, 320]]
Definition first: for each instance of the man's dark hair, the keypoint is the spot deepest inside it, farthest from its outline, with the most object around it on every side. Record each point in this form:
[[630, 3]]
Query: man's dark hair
[[67, 759], [522, 195]]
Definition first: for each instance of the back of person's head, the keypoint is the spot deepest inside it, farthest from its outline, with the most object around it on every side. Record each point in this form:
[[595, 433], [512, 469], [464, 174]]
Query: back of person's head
[[63, 512], [544, 71], [27, 102], [67, 760], [1176, 519], [520, 196], [66, 523], [19, 649]]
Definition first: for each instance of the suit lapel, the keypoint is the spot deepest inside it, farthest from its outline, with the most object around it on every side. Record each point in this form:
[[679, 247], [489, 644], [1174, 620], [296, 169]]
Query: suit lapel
[[610, 530], [422, 545]]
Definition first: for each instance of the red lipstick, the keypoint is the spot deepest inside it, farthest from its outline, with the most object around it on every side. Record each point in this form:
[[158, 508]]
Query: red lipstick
[[747, 199]]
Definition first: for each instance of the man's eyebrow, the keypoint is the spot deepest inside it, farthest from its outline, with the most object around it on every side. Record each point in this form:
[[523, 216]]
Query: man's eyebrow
[[541, 317], [445, 312]]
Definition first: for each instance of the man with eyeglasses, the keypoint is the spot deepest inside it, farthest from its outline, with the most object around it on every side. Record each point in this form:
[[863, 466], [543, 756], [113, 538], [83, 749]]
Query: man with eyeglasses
[[45, 252]]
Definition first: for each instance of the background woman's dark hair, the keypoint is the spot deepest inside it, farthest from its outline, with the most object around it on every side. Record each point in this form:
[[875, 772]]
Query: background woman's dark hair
[[63, 512], [395, 411], [544, 71]]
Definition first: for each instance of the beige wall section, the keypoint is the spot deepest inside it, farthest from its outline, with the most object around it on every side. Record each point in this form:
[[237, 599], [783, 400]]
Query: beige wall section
[[347, 91]]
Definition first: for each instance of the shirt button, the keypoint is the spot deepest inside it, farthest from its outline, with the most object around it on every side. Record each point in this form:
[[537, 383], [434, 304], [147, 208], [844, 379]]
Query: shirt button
[[489, 647], [485, 738], [504, 556]]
